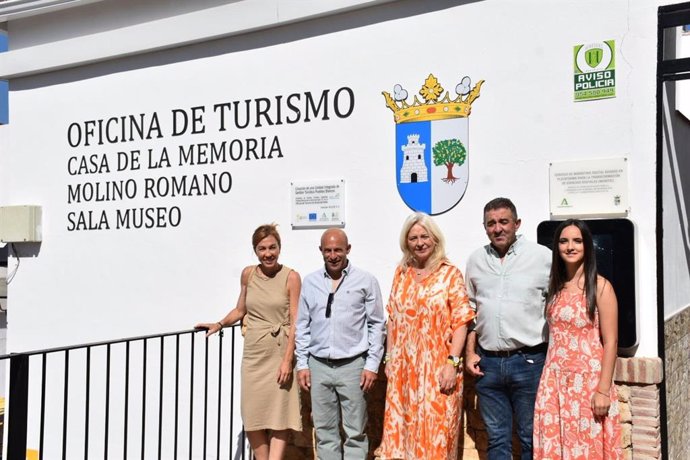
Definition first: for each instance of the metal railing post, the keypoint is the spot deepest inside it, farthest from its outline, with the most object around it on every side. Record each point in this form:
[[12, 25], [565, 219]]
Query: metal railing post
[[18, 407], [132, 394]]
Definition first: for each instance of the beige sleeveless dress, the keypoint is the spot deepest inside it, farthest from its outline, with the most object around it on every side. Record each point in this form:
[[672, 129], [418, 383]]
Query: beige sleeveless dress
[[265, 404]]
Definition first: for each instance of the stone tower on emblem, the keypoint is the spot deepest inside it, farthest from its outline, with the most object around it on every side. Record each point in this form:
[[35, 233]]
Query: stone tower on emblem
[[413, 167]]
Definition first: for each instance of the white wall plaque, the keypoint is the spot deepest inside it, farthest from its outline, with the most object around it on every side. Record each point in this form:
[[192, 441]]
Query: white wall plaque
[[589, 188], [318, 204]]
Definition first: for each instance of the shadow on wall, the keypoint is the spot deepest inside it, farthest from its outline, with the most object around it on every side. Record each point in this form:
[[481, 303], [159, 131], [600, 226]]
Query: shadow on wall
[[314, 27], [4, 91]]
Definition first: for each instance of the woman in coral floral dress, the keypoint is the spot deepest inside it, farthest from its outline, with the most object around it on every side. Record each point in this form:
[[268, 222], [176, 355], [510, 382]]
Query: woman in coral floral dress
[[576, 412], [428, 312]]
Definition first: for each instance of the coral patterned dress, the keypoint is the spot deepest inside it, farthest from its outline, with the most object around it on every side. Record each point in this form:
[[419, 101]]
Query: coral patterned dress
[[564, 424], [420, 422]]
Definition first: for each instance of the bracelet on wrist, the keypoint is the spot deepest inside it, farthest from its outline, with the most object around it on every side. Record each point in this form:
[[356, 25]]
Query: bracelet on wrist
[[220, 324], [603, 394]]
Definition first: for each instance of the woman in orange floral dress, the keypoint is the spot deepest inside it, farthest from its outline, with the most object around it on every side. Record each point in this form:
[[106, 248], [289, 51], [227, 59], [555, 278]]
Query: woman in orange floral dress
[[428, 312], [576, 410]]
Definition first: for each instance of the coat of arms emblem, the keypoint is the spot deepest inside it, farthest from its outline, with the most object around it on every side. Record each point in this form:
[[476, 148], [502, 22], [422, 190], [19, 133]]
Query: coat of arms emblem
[[432, 144]]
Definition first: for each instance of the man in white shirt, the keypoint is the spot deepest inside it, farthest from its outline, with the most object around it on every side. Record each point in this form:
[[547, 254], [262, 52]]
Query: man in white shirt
[[339, 346], [507, 281]]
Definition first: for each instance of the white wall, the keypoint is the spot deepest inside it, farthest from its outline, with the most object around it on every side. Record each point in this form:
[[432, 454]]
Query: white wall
[[524, 119], [93, 285]]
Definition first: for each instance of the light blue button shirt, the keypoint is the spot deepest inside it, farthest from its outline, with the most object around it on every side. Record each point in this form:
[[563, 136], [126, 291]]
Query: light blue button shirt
[[356, 324], [509, 295]]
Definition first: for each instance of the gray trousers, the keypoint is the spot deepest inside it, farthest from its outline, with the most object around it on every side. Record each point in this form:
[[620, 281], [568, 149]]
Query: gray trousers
[[336, 390]]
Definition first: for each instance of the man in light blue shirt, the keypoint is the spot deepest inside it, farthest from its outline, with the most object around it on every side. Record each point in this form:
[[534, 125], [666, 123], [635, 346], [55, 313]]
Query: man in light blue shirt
[[339, 346], [507, 282]]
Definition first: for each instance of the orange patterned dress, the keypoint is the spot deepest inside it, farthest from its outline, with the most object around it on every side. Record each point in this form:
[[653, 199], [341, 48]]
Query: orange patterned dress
[[420, 422], [564, 425]]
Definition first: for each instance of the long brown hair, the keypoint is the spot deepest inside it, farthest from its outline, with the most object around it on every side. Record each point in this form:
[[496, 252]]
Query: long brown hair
[[557, 278]]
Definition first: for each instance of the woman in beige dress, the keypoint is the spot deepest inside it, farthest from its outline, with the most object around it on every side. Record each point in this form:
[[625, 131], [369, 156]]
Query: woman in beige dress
[[268, 301]]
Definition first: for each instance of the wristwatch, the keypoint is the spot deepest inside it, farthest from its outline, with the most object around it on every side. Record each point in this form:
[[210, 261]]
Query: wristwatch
[[454, 360]]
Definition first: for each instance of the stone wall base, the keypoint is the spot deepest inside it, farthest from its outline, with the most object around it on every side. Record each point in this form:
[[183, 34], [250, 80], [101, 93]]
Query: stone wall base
[[677, 372], [637, 380]]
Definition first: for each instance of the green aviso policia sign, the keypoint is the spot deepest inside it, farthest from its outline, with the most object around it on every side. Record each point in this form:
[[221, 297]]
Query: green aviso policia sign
[[595, 70]]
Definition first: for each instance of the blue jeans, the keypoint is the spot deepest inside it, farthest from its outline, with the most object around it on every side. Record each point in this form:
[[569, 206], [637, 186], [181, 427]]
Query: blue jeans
[[509, 386]]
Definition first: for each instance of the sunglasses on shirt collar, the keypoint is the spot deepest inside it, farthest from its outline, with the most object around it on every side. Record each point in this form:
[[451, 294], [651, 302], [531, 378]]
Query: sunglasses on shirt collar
[[331, 295]]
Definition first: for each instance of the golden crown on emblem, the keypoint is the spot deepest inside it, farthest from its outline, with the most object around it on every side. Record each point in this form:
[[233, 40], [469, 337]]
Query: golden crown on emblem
[[434, 107]]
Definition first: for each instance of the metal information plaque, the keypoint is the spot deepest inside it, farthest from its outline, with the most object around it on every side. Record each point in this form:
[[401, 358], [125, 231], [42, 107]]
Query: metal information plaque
[[589, 188], [318, 204]]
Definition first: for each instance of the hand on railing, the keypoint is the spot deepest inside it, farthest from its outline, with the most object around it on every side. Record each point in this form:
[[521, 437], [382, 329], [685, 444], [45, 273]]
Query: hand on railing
[[211, 328]]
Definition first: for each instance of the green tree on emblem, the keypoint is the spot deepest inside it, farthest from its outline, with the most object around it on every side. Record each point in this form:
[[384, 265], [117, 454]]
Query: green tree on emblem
[[449, 152]]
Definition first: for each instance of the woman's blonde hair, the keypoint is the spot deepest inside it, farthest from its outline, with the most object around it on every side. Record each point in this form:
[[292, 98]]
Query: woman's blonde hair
[[439, 254]]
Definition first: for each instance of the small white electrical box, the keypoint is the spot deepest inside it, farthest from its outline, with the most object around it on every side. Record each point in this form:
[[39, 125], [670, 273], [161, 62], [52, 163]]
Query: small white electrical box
[[20, 224]]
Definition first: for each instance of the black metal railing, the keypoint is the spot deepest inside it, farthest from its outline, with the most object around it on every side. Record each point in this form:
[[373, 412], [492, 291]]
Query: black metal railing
[[164, 396]]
